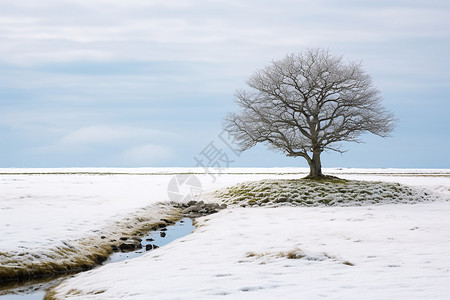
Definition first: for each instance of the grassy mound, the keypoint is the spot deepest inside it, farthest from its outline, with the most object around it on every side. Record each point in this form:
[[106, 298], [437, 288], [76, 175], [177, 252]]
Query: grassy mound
[[305, 192], [73, 256]]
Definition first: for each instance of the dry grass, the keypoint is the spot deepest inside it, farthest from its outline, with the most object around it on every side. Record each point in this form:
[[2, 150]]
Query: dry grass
[[83, 254], [297, 253]]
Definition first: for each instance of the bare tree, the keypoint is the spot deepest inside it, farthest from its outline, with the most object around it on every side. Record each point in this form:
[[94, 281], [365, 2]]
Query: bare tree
[[307, 103]]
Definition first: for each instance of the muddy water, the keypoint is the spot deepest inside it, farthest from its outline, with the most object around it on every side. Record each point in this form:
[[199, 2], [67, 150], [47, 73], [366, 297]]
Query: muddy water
[[35, 289]]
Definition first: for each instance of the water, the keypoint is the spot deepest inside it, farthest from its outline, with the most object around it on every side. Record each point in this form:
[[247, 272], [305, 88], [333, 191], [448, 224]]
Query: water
[[29, 290], [35, 289], [35, 296], [179, 229]]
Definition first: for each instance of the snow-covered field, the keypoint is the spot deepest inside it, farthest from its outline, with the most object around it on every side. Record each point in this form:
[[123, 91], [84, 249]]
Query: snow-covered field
[[53, 219], [53, 205], [384, 252], [399, 251]]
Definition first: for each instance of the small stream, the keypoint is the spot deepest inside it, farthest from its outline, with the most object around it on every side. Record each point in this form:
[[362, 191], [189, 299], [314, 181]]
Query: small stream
[[35, 289]]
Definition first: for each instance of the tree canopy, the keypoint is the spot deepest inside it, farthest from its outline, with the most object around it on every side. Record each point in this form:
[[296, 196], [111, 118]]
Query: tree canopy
[[307, 103]]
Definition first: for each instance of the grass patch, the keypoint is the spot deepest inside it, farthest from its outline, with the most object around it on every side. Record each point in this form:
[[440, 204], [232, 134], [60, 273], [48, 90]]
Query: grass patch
[[320, 192], [294, 254]]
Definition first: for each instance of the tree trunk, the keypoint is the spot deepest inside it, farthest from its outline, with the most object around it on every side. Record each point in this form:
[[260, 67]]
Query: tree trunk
[[315, 166]]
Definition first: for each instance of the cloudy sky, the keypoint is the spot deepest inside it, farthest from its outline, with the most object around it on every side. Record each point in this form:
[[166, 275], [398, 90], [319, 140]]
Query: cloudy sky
[[147, 82]]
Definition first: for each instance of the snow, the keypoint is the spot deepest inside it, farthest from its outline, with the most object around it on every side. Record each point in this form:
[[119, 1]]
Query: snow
[[47, 214], [43, 209], [397, 250], [198, 170]]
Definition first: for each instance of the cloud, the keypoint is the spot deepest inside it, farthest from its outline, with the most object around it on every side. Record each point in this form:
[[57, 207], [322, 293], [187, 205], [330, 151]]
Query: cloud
[[110, 145], [234, 37], [131, 67], [112, 137], [145, 155], [208, 31], [106, 134]]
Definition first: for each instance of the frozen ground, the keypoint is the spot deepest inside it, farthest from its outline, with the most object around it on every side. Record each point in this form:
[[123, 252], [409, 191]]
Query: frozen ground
[[381, 252], [53, 219], [397, 251], [47, 207]]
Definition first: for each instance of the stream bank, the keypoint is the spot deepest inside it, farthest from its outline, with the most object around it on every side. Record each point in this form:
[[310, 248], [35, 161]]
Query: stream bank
[[35, 289], [123, 247]]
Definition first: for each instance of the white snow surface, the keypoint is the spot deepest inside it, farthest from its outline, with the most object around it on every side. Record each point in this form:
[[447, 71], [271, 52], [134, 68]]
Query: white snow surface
[[399, 251], [42, 207]]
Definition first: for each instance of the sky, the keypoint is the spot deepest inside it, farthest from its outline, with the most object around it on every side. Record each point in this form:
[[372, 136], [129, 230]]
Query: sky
[[146, 83]]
